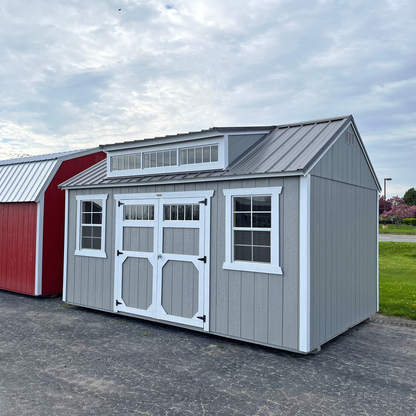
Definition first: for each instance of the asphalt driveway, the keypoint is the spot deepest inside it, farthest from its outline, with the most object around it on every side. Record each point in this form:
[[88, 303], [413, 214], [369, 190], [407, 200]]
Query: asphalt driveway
[[398, 238], [64, 360]]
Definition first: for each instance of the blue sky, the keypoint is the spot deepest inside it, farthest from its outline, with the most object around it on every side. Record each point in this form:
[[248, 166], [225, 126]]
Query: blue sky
[[78, 74]]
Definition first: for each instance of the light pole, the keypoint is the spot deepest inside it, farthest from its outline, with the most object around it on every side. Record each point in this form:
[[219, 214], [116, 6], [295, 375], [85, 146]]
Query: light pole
[[385, 179]]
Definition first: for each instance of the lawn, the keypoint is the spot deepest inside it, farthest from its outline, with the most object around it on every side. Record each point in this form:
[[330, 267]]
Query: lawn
[[397, 278], [403, 229]]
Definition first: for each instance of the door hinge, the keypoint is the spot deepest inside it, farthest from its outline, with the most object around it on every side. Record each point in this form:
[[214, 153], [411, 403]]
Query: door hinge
[[120, 203], [202, 318], [120, 303], [204, 259], [205, 202], [119, 252]]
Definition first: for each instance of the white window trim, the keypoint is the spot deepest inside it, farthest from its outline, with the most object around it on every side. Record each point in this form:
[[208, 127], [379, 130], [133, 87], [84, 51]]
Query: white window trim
[[274, 266], [221, 141], [88, 252]]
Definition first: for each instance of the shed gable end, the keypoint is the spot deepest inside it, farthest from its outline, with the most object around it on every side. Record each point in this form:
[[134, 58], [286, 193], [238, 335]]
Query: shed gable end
[[346, 162]]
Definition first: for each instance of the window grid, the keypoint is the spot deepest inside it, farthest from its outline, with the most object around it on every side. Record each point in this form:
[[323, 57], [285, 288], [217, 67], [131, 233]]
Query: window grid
[[139, 212], [160, 159], [203, 154], [91, 224], [126, 162], [185, 212], [252, 229]]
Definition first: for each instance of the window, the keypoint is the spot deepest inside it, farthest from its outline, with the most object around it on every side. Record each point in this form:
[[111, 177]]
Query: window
[[126, 162], [139, 212], [203, 154], [181, 212], [252, 230], [91, 213], [160, 159]]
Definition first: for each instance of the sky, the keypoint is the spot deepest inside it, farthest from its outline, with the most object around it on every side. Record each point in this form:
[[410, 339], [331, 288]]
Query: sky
[[76, 74]]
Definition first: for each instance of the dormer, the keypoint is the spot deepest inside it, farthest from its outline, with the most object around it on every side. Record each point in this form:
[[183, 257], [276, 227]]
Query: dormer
[[207, 150]]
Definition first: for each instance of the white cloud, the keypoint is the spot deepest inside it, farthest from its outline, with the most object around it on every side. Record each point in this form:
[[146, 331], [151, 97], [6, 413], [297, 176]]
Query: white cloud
[[77, 74]]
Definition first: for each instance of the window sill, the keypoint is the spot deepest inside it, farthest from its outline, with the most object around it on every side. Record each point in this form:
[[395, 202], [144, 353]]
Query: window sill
[[91, 253], [252, 267]]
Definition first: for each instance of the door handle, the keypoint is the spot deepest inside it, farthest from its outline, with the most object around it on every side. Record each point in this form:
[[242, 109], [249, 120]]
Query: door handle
[[159, 256]]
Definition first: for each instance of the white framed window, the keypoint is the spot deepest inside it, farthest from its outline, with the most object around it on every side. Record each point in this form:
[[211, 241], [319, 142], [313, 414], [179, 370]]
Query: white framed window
[[203, 155], [91, 220], [252, 229]]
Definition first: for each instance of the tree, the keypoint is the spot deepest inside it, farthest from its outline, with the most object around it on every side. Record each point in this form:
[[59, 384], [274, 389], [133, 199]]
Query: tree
[[399, 210], [381, 205], [409, 197]]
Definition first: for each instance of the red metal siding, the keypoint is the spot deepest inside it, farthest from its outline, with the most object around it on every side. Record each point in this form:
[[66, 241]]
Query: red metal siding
[[54, 218], [18, 246]]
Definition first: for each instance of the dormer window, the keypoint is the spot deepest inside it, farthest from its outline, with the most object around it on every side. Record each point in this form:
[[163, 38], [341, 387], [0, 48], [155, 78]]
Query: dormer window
[[159, 159], [203, 154], [127, 162], [191, 155]]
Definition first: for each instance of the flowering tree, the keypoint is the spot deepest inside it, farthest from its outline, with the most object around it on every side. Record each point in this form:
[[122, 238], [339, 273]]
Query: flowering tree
[[381, 205], [399, 210]]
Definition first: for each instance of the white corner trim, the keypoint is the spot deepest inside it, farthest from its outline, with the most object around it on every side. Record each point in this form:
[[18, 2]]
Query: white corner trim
[[39, 245], [304, 265], [86, 252], [65, 271], [274, 267]]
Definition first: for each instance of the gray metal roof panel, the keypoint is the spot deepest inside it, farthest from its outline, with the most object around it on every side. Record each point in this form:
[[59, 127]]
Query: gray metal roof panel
[[51, 156], [286, 149], [23, 182]]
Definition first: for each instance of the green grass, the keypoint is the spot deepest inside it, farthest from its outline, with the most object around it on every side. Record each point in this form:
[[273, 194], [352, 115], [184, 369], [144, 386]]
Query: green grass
[[397, 266], [403, 229]]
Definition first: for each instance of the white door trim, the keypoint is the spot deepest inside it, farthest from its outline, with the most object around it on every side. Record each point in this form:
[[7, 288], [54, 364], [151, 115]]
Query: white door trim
[[158, 199]]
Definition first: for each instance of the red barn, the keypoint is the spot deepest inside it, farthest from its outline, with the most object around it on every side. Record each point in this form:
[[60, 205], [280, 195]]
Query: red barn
[[32, 213]]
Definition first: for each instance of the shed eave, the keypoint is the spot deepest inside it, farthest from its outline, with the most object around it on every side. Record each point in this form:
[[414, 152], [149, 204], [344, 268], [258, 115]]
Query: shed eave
[[230, 177]]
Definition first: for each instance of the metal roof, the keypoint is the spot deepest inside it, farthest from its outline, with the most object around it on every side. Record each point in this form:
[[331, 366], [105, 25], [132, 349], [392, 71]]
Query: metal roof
[[24, 179], [51, 156], [286, 150]]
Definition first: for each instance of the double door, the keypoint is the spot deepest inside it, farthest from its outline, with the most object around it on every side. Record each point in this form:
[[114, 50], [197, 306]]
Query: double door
[[161, 266]]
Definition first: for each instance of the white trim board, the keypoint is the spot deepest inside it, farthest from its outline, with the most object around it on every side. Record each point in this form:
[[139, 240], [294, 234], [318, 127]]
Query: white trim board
[[90, 252], [180, 194], [305, 265], [65, 271], [39, 244]]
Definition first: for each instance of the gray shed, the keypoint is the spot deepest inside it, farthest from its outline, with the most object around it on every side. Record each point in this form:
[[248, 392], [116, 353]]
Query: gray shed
[[264, 234]]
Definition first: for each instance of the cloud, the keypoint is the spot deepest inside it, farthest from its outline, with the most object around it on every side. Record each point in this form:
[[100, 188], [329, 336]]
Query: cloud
[[76, 74]]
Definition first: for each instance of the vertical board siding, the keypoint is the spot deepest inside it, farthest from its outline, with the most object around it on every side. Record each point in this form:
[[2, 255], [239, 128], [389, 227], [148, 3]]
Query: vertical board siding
[[343, 257], [252, 306], [345, 163], [179, 283], [54, 218], [138, 239], [181, 241], [137, 283], [18, 246]]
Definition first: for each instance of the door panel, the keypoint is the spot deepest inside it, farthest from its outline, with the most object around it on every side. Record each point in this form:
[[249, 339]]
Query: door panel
[[181, 241], [138, 239], [160, 269], [137, 283], [180, 287]]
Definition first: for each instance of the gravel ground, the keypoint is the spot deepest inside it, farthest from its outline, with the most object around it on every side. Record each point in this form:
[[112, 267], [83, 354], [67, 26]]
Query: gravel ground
[[57, 359]]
